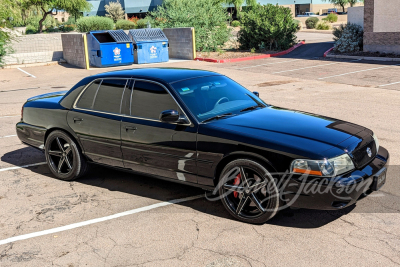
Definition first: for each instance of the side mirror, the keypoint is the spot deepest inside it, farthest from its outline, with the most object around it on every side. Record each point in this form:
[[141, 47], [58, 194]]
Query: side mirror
[[170, 115], [256, 93]]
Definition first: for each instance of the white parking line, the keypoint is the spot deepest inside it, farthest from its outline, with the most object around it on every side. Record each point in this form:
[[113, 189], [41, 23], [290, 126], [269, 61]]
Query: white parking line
[[288, 61], [307, 67], [10, 116], [93, 221], [8, 136], [388, 84], [20, 167], [26, 73], [357, 72]]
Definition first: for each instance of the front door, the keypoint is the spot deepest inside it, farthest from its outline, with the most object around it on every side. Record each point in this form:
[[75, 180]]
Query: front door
[[96, 120], [151, 146]]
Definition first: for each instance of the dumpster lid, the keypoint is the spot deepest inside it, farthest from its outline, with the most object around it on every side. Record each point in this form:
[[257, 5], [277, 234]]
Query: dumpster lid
[[156, 35], [120, 36], [148, 35]]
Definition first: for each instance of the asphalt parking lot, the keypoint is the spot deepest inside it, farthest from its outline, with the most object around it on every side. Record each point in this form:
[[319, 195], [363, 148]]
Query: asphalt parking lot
[[115, 218]]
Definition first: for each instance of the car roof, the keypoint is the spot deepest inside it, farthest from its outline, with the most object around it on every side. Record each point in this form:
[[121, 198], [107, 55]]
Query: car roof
[[168, 75]]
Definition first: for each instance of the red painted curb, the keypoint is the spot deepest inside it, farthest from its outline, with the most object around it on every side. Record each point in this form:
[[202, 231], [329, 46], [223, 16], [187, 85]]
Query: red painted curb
[[327, 52], [251, 58]]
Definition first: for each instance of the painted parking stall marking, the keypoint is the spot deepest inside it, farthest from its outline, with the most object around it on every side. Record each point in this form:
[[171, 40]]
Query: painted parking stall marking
[[288, 61], [388, 84], [9, 116], [6, 136], [98, 220], [21, 167], [348, 73], [26, 72], [307, 67]]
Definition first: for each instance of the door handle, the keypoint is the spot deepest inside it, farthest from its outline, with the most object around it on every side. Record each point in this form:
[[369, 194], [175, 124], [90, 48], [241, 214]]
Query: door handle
[[78, 119], [130, 128]]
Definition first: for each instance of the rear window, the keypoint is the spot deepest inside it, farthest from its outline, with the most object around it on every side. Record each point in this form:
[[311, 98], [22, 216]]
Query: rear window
[[86, 100], [109, 95]]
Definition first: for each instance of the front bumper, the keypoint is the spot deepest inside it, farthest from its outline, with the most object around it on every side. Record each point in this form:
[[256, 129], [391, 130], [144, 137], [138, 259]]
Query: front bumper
[[334, 193]]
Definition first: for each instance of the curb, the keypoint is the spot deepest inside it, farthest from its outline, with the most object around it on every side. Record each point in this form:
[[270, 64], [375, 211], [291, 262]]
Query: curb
[[251, 58], [387, 59], [317, 31], [30, 65], [327, 52]]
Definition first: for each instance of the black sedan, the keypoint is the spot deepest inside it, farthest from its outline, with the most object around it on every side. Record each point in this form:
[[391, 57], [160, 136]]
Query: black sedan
[[203, 129]]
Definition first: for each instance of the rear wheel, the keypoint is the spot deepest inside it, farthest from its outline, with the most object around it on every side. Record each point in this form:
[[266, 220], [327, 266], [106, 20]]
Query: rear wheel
[[248, 191], [63, 156]]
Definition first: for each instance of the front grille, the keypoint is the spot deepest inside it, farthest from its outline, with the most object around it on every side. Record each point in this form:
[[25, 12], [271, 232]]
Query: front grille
[[360, 154]]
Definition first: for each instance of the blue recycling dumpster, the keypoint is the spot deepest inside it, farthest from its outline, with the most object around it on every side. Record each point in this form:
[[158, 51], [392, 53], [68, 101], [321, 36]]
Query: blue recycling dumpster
[[150, 45], [109, 48]]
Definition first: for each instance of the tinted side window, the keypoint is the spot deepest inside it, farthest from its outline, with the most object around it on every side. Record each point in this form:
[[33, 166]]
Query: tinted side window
[[149, 100], [87, 97], [108, 98]]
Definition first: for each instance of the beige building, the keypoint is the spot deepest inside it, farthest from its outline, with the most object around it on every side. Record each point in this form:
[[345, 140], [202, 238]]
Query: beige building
[[300, 9], [382, 26], [61, 16]]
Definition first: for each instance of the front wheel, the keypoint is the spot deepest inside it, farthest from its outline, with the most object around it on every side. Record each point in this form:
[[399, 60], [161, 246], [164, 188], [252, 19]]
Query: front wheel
[[63, 156], [248, 191]]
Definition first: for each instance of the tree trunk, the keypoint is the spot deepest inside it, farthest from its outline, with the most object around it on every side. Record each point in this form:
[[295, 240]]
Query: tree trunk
[[45, 13], [343, 8], [41, 23]]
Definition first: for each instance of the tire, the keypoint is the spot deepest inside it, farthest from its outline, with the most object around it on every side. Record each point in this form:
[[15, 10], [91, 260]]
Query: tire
[[254, 199], [64, 157]]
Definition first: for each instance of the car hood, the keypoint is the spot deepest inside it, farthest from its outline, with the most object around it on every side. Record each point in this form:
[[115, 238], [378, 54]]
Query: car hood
[[291, 127]]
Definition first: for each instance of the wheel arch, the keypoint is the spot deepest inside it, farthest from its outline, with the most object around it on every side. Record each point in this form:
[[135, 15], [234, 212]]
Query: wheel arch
[[238, 155], [72, 136]]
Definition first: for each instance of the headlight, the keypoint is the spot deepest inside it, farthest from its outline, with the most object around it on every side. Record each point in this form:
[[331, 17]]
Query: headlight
[[327, 167], [376, 142]]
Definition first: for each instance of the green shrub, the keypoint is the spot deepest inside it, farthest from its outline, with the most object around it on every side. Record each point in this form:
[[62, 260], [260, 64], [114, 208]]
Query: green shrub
[[67, 28], [87, 24], [208, 17], [49, 22], [299, 24], [125, 25], [30, 29], [331, 18], [5, 48], [351, 39], [52, 29], [235, 23], [338, 31], [142, 23], [312, 22], [270, 24], [71, 20], [323, 26]]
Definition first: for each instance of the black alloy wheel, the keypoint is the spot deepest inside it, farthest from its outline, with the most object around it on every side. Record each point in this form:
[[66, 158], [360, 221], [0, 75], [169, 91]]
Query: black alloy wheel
[[248, 191], [63, 156]]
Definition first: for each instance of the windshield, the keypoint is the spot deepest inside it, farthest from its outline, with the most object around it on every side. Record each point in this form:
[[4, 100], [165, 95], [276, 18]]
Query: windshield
[[207, 97]]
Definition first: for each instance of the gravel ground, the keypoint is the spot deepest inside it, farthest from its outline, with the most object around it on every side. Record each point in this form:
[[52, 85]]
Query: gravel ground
[[231, 54]]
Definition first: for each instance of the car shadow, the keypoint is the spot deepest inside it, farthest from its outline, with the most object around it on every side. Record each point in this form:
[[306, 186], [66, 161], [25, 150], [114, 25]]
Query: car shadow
[[161, 190]]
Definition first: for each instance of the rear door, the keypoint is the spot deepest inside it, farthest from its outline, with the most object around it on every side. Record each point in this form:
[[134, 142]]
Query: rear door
[[152, 146], [96, 119]]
